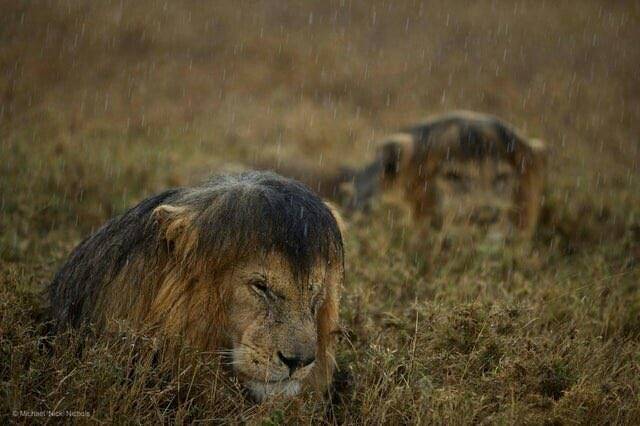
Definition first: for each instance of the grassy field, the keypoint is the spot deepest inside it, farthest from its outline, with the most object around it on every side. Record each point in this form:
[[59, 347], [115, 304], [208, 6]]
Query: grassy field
[[105, 103]]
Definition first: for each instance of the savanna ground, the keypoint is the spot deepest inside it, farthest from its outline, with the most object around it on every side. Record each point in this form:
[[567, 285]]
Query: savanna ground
[[105, 103]]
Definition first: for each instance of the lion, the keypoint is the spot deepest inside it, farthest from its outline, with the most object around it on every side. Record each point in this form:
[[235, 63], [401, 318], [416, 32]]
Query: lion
[[464, 170], [460, 172], [251, 264]]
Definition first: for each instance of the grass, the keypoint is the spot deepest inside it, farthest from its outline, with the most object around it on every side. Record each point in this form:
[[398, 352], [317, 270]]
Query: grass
[[105, 103]]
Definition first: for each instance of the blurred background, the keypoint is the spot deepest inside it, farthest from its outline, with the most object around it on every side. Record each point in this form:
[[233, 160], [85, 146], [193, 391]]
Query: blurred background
[[104, 103], [114, 99]]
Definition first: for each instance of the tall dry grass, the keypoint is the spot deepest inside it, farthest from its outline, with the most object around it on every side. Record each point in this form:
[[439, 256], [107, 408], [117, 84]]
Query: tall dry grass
[[104, 103]]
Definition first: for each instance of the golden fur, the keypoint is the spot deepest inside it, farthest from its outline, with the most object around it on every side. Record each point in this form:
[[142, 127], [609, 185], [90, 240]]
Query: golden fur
[[461, 169], [251, 264]]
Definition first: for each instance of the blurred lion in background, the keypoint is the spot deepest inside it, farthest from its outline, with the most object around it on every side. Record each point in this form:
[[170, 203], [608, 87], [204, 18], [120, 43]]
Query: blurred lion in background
[[461, 172], [251, 264]]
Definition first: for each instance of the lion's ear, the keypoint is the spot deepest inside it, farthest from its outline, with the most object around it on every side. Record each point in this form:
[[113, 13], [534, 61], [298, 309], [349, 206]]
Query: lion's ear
[[173, 224], [394, 155], [538, 150], [537, 145], [342, 225], [532, 156]]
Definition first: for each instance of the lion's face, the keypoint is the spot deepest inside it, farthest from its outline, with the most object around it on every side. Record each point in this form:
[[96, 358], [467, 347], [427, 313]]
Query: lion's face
[[469, 174], [475, 196], [273, 326]]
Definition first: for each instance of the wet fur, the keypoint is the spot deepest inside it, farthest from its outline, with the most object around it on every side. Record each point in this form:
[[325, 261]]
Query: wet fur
[[409, 158], [334, 185], [157, 265]]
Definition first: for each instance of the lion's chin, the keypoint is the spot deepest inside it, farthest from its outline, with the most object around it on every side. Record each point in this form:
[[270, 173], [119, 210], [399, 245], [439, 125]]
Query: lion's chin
[[264, 390]]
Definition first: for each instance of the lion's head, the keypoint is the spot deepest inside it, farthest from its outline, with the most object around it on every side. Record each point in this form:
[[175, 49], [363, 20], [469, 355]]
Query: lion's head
[[463, 172], [250, 264]]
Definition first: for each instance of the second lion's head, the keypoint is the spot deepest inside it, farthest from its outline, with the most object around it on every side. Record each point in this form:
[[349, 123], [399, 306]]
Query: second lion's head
[[464, 173]]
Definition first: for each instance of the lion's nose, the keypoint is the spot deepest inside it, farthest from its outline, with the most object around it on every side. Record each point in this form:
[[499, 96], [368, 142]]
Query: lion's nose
[[485, 215], [296, 361]]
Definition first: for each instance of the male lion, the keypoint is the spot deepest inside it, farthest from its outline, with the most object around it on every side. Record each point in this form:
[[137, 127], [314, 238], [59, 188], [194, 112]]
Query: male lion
[[461, 169], [251, 263], [463, 172]]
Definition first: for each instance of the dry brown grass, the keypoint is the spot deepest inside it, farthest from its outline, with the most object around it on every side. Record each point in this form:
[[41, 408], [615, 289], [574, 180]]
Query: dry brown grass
[[104, 103]]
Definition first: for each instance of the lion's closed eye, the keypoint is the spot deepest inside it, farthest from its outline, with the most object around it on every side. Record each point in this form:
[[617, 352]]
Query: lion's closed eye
[[501, 180], [453, 176], [455, 179], [261, 288]]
